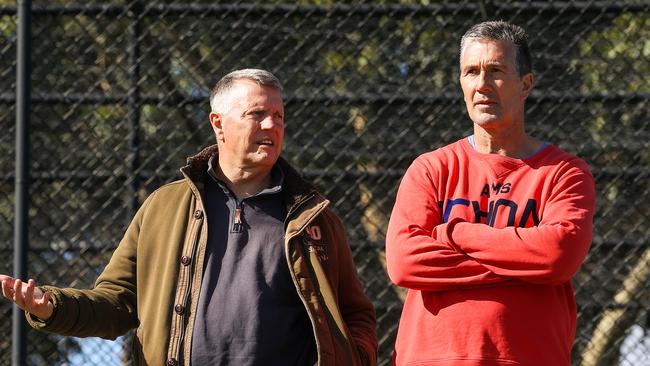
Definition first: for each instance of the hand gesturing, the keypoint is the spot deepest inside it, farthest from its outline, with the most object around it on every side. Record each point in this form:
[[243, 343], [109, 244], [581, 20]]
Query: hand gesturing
[[27, 296]]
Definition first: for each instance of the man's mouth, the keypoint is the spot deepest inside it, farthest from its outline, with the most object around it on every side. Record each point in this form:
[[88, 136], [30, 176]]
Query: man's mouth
[[485, 102], [265, 142]]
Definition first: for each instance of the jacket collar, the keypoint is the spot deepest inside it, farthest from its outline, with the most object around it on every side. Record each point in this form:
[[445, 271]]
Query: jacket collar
[[295, 189]]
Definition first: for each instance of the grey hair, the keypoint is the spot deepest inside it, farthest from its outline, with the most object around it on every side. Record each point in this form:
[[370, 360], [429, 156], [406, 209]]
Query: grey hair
[[502, 31], [219, 95]]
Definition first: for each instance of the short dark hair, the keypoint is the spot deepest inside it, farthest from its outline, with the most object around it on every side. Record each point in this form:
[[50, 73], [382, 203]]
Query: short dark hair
[[223, 86], [502, 31]]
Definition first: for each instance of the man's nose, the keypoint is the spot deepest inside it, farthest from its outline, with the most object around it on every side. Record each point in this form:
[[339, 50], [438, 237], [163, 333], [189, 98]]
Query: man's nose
[[482, 81], [270, 122]]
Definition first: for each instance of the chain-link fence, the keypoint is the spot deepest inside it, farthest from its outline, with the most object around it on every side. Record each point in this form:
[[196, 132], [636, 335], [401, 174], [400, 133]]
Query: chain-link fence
[[120, 99]]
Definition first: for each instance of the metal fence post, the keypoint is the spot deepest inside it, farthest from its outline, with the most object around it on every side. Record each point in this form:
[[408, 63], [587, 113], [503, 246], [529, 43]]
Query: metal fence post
[[21, 240], [134, 103]]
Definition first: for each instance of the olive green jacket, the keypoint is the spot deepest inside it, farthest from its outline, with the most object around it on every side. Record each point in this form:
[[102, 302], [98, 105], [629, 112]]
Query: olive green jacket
[[153, 279]]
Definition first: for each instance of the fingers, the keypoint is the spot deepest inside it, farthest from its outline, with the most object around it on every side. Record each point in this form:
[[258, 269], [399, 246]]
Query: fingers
[[45, 300], [28, 297], [5, 278], [7, 290], [34, 296], [29, 294], [46, 308], [19, 297]]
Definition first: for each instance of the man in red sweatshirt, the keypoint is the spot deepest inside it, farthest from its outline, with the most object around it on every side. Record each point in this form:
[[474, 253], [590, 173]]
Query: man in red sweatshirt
[[487, 232]]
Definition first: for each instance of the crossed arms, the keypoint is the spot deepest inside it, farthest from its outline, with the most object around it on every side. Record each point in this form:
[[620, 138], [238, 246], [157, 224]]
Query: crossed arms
[[424, 253]]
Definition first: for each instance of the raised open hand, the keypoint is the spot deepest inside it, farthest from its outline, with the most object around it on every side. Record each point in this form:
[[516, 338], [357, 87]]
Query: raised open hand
[[27, 296]]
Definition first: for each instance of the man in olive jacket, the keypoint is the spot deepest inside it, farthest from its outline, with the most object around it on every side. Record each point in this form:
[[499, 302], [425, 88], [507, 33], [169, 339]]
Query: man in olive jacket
[[239, 263]]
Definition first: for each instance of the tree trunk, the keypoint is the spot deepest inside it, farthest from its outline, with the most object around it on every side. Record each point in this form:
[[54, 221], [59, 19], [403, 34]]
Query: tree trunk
[[603, 349]]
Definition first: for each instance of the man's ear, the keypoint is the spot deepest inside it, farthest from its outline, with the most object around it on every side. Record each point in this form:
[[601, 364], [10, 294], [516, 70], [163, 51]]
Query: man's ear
[[217, 125], [527, 83]]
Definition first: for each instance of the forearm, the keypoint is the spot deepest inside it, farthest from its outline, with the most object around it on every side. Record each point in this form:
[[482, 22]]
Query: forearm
[[548, 254], [109, 309], [419, 260], [105, 312], [416, 257]]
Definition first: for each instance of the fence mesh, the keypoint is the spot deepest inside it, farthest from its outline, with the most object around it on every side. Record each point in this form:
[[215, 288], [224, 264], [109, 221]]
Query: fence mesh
[[120, 99]]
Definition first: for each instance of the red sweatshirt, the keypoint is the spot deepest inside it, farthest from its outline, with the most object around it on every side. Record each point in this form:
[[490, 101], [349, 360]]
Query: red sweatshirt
[[487, 246]]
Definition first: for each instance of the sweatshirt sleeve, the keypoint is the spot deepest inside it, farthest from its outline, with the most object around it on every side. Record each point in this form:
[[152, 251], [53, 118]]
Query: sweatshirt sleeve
[[415, 257], [549, 253]]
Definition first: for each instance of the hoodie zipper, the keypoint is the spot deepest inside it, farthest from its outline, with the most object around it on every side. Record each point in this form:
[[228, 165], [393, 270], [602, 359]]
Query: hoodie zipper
[[237, 225]]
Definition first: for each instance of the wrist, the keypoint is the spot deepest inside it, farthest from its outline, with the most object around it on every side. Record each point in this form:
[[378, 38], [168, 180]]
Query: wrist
[[447, 231], [46, 314]]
